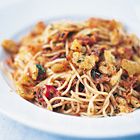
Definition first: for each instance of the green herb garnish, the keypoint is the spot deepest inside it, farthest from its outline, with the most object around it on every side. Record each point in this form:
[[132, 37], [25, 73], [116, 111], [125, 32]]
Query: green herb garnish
[[79, 61], [41, 72], [95, 74]]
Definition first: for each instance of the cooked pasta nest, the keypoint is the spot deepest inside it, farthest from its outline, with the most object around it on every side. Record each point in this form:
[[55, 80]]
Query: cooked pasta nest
[[86, 68]]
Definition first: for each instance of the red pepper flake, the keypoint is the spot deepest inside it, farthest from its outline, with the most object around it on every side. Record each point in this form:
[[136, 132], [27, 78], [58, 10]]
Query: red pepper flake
[[51, 91], [128, 53], [41, 100]]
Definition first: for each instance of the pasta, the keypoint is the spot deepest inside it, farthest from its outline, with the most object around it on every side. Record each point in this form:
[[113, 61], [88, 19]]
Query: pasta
[[87, 68]]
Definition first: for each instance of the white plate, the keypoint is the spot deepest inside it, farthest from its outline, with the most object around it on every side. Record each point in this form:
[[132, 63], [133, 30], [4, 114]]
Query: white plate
[[15, 19]]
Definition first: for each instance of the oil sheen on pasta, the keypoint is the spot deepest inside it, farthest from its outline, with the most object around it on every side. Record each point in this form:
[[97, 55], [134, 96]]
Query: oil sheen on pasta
[[88, 68]]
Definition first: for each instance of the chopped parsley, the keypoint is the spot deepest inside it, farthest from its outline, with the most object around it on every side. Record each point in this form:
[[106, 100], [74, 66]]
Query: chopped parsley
[[79, 61], [95, 74], [41, 72]]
